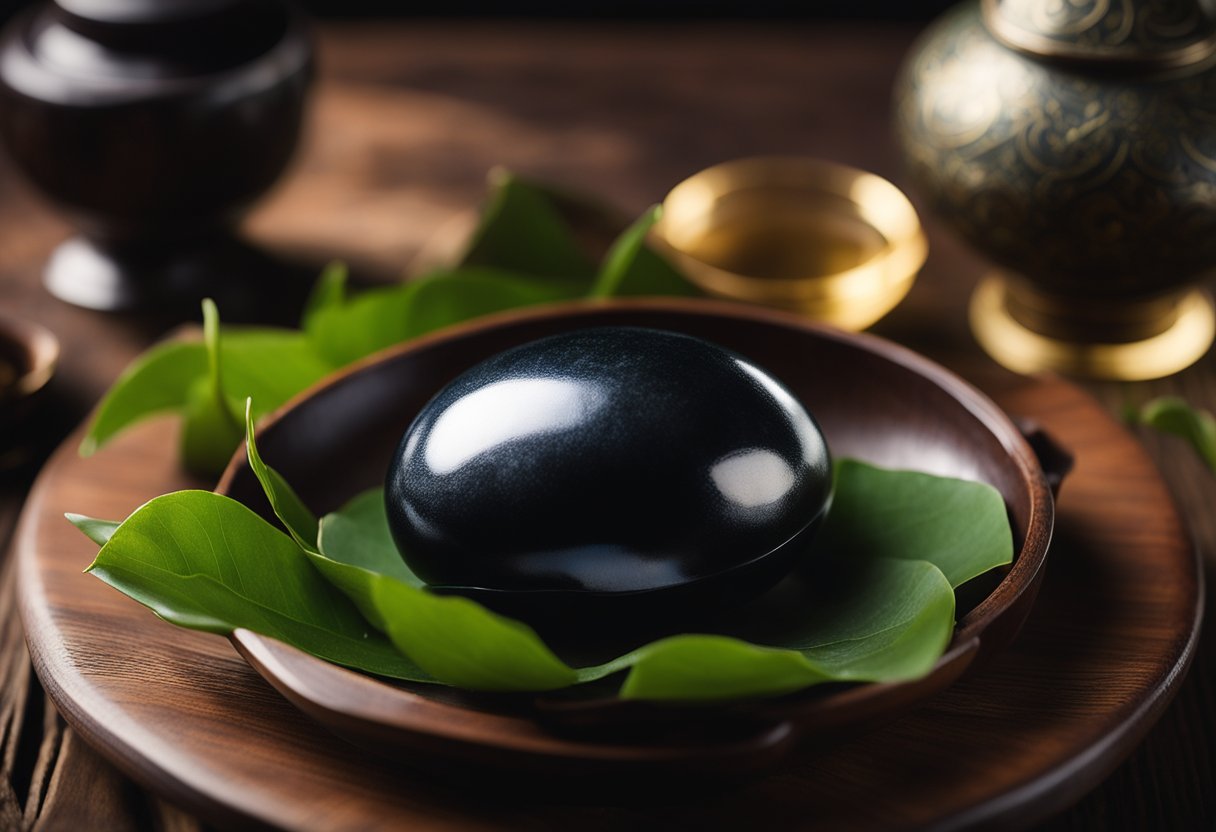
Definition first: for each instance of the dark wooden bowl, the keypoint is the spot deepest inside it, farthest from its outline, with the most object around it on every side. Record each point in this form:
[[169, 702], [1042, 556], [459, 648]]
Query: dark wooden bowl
[[154, 126], [875, 401]]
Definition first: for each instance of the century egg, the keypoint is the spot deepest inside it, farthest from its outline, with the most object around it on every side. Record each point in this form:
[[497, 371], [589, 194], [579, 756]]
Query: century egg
[[612, 471]]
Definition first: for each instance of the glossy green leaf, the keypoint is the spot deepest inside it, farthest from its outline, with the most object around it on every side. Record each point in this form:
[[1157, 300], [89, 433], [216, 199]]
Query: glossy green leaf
[[521, 231], [351, 578], [446, 298], [210, 429], [855, 612], [960, 526], [269, 364], [858, 618], [344, 547], [456, 640], [358, 534], [878, 618], [209, 433], [380, 318], [372, 320], [355, 582], [329, 292], [631, 267], [1174, 416], [159, 380], [98, 531], [350, 547], [893, 622], [453, 639], [296, 517], [203, 561], [464, 644], [707, 667]]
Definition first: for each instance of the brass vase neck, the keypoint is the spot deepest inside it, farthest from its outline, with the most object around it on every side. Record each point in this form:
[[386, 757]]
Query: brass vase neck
[[1146, 35]]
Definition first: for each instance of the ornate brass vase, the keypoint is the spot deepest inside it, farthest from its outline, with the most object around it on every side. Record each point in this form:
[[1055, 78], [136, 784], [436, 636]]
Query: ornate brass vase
[[1074, 143]]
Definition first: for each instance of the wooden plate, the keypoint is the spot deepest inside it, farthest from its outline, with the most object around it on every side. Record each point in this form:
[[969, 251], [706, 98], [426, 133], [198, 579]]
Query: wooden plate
[[1099, 658], [874, 400]]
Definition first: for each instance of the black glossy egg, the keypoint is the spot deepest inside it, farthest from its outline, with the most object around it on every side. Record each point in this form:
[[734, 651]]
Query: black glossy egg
[[610, 470]]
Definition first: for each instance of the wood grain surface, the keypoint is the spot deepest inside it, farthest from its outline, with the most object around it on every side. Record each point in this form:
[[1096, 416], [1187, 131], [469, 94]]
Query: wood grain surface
[[407, 121]]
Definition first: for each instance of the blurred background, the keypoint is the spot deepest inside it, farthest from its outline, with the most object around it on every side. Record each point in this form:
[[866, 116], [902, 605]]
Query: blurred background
[[618, 9]]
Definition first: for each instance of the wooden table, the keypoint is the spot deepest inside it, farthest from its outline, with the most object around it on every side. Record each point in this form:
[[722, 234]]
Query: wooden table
[[407, 120]]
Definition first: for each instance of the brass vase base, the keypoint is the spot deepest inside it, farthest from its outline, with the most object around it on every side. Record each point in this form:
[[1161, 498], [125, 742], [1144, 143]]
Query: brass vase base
[[1027, 334]]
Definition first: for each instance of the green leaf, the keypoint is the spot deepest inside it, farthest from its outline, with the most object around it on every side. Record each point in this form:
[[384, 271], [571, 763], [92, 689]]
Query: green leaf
[[380, 318], [351, 579], [457, 641], [859, 610], [203, 561], [356, 549], [1173, 415], [878, 620], [157, 381], [355, 582], [447, 298], [211, 430], [370, 321], [862, 619], [355, 539], [209, 434], [329, 291], [269, 365], [358, 534], [960, 526], [453, 639], [296, 517], [521, 231], [632, 268], [98, 531], [706, 667], [464, 644]]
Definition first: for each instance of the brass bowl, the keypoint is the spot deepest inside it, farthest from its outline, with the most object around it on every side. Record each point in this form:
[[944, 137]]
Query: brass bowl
[[828, 241]]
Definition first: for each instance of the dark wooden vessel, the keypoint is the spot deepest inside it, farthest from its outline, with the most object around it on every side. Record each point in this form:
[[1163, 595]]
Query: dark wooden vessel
[[153, 126], [873, 399]]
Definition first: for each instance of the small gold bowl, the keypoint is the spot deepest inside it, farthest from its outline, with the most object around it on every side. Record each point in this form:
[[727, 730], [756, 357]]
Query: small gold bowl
[[829, 241]]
